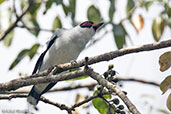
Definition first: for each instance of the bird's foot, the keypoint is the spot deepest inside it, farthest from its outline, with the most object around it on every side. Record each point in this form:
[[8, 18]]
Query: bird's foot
[[74, 62], [86, 63]]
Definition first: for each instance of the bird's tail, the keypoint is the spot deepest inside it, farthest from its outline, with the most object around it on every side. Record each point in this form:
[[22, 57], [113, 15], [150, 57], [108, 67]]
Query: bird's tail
[[33, 97]]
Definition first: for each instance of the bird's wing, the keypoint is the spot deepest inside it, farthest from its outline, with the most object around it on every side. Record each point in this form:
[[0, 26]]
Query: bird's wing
[[39, 62]]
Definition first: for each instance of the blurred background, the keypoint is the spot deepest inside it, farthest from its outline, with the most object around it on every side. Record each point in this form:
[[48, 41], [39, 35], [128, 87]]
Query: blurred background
[[127, 23]]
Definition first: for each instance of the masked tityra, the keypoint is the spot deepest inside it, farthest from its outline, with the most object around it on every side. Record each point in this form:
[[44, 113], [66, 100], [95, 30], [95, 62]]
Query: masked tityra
[[65, 45]]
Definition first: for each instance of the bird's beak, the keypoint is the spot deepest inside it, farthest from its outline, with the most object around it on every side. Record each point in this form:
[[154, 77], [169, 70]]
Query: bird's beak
[[97, 25]]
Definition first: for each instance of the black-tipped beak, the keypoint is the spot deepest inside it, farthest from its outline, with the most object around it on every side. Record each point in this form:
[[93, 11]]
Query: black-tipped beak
[[96, 26]]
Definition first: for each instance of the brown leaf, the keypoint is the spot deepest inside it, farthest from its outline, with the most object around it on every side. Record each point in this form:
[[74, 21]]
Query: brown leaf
[[165, 84], [168, 103], [165, 61], [138, 22]]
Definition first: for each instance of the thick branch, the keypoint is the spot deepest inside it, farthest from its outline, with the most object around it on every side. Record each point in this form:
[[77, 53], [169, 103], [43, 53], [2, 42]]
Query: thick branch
[[37, 78], [114, 88], [69, 88], [5, 33], [106, 57], [89, 86], [111, 55], [20, 82]]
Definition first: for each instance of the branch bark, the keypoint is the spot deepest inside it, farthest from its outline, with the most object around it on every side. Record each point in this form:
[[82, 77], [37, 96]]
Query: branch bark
[[69, 109], [111, 55], [21, 82], [88, 86], [45, 76]]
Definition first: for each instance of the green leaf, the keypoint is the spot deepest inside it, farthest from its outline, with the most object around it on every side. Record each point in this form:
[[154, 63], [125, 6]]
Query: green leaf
[[34, 8], [158, 27], [58, 1], [25, 52], [129, 6], [93, 14], [79, 78], [8, 39], [168, 22], [147, 4], [119, 33], [23, 3], [31, 23], [107, 96], [57, 23], [20, 56], [65, 8], [167, 9], [100, 104], [48, 5], [110, 110], [10, 35], [1, 1], [33, 50], [30, 19], [36, 27], [111, 9], [72, 8]]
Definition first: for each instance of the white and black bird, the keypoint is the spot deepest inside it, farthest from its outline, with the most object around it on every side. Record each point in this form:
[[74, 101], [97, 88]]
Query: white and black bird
[[65, 45]]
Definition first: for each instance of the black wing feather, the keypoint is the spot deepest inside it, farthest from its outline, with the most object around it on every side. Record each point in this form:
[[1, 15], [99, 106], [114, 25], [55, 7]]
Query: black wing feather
[[40, 60]]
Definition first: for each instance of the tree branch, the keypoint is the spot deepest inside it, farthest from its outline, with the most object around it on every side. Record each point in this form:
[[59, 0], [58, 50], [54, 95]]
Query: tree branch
[[45, 76], [140, 3], [139, 80], [114, 88], [4, 34], [69, 109], [89, 86], [21, 82], [69, 88], [113, 54]]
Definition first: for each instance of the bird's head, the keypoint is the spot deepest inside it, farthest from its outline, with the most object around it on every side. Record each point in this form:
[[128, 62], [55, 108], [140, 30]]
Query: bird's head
[[87, 29], [91, 25]]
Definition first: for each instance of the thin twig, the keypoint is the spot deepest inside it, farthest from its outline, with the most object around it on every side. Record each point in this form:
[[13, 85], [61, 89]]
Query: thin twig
[[114, 88], [139, 80], [14, 8], [132, 11], [69, 109], [4, 34], [87, 100]]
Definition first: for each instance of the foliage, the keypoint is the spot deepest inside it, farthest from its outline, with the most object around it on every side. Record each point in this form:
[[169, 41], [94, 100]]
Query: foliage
[[165, 63], [26, 52], [120, 33]]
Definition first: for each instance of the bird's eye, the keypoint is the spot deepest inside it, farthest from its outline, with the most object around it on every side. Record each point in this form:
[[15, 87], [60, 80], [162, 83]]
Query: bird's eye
[[86, 24]]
